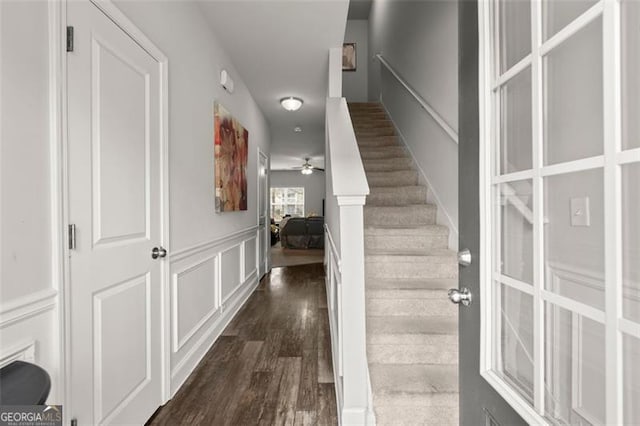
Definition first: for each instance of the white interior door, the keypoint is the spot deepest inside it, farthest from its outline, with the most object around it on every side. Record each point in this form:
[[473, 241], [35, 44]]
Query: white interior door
[[264, 224], [114, 129]]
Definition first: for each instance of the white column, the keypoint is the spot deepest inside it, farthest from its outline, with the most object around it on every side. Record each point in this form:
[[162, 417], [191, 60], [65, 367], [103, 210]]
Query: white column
[[354, 328]]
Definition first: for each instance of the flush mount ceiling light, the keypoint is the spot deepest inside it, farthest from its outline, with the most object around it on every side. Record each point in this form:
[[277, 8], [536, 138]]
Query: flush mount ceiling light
[[291, 103], [297, 129]]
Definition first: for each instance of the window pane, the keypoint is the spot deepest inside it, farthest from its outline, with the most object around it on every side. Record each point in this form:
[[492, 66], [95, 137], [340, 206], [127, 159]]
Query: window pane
[[574, 99], [631, 241], [287, 201], [515, 347], [559, 13], [574, 368], [631, 379], [515, 32], [515, 120], [516, 229], [574, 236], [630, 36]]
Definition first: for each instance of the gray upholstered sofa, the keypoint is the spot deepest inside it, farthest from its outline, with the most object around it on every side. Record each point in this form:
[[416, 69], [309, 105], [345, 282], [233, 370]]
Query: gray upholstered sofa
[[302, 233]]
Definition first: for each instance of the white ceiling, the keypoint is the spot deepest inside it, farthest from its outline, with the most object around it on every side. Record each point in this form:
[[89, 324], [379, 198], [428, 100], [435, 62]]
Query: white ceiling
[[281, 48]]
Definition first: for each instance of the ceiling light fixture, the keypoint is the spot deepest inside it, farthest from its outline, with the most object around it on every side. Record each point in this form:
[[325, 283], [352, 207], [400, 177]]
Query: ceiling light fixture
[[306, 171], [297, 129], [291, 103]]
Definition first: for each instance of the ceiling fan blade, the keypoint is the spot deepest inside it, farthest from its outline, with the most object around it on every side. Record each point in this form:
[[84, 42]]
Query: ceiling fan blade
[[318, 168]]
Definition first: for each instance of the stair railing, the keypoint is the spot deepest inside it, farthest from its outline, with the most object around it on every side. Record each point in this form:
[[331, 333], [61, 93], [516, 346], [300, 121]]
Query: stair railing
[[424, 104], [346, 191]]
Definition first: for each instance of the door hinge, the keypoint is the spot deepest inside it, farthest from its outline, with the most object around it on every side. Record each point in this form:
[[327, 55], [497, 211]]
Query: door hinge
[[72, 237], [69, 39]]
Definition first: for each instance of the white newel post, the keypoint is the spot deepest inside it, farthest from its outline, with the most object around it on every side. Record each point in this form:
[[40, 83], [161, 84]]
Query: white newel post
[[353, 311]]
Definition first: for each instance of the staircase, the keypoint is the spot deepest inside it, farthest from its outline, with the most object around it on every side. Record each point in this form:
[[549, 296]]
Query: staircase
[[412, 342]]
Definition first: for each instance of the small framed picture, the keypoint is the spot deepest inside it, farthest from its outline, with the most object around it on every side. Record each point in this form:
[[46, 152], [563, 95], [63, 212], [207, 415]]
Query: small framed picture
[[349, 57]]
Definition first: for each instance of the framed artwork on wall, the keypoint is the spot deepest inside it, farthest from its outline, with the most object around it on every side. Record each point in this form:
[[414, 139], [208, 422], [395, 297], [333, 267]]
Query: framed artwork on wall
[[231, 148], [348, 57]]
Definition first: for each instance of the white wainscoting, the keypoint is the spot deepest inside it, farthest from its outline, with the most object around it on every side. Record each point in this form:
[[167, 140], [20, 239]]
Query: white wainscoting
[[29, 332], [209, 284], [194, 299], [250, 257], [334, 288]]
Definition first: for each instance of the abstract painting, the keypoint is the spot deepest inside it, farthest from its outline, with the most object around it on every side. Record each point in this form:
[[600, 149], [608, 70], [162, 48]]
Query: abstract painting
[[231, 147]]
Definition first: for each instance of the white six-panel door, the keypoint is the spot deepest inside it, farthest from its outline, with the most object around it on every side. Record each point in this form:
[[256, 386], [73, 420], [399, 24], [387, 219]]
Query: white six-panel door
[[114, 146]]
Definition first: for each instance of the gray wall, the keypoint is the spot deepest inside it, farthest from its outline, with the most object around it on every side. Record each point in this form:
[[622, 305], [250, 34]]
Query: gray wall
[[196, 58], [313, 187], [354, 83], [28, 285], [420, 40]]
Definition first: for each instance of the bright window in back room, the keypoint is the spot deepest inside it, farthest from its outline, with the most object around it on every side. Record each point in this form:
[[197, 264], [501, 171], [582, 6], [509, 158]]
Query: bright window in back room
[[287, 201]]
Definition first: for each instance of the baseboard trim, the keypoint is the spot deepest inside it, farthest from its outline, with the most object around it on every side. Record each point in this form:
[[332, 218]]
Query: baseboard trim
[[194, 356]]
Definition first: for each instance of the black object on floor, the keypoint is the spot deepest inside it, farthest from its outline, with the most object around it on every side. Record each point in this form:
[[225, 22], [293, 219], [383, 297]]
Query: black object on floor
[[23, 383]]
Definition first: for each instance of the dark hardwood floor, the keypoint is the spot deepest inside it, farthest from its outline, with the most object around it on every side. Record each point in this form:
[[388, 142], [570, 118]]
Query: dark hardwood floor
[[271, 366]]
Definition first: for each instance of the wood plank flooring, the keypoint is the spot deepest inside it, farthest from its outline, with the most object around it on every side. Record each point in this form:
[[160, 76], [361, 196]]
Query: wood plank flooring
[[271, 366]]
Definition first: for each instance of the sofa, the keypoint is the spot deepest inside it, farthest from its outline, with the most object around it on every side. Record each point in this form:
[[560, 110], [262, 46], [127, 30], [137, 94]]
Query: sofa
[[302, 233]]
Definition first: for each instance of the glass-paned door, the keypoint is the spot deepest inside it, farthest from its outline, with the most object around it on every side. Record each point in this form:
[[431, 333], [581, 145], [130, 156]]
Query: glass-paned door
[[560, 208]]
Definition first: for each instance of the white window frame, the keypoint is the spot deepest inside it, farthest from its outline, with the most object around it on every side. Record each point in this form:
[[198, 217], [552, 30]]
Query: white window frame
[[611, 160], [285, 204]]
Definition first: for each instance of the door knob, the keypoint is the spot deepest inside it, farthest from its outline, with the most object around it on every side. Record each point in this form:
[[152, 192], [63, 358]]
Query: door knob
[[464, 257], [460, 296], [157, 252]]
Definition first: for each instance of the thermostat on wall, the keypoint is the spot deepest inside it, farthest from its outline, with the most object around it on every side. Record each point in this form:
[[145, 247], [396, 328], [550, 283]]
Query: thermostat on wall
[[226, 81]]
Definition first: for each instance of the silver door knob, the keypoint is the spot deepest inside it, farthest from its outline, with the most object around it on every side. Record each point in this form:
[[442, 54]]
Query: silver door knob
[[460, 296], [464, 257], [157, 252]]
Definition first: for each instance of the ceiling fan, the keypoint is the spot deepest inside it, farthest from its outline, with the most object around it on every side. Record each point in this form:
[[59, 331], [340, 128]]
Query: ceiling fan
[[307, 168]]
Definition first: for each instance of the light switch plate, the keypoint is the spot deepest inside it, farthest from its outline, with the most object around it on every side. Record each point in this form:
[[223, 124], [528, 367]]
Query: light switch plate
[[580, 214]]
